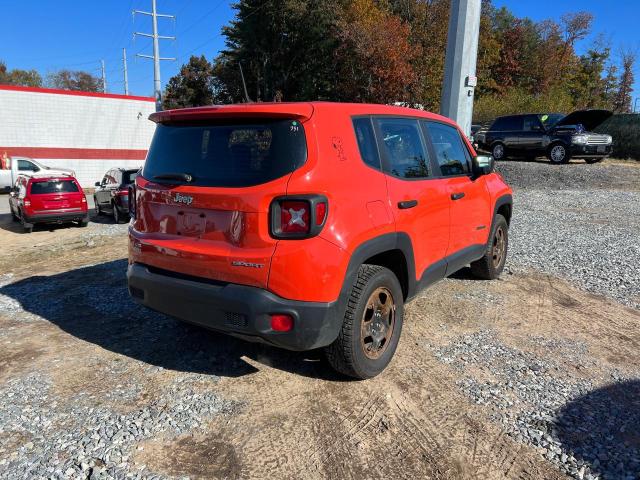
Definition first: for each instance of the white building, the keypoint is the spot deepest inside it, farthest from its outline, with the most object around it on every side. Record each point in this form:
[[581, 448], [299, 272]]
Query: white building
[[87, 132]]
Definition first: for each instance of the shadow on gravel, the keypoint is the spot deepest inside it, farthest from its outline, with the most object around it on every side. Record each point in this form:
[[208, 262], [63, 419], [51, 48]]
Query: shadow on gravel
[[92, 303], [602, 428]]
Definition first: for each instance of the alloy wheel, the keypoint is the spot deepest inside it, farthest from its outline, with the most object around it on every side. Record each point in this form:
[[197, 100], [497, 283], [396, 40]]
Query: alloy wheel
[[378, 322], [558, 153], [499, 247]]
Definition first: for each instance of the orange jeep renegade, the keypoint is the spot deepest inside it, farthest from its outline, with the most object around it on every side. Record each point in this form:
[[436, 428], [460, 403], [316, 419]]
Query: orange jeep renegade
[[307, 225]]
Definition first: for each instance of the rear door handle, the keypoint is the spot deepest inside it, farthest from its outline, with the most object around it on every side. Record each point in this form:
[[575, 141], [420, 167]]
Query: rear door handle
[[407, 204], [457, 195]]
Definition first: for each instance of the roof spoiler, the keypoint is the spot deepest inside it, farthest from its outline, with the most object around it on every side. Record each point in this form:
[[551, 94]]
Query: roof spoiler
[[300, 111]]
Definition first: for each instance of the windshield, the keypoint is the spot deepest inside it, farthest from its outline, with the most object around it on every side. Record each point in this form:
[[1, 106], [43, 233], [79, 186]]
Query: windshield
[[54, 186], [224, 155], [550, 119]]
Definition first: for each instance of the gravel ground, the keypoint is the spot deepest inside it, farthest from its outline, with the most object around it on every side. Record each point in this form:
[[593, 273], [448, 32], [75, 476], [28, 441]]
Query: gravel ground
[[524, 378], [576, 221], [538, 402]]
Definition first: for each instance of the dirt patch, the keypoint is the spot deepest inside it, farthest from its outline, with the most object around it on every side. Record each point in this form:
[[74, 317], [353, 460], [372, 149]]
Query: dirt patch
[[197, 457]]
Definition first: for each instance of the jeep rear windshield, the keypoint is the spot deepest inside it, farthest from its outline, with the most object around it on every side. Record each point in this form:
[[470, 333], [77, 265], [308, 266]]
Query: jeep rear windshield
[[53, 186], [238, 154]]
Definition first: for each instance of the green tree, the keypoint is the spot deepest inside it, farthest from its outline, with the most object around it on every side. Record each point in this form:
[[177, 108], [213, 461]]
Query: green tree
[[286, 48], [25, 78], [193, 86], [622, 99], [74, 80]]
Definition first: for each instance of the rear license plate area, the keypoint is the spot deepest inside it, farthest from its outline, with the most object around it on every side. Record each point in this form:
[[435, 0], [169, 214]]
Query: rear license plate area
[[191, 224]]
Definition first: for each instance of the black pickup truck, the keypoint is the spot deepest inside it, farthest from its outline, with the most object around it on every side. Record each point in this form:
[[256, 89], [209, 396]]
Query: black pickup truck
[[559, 137]]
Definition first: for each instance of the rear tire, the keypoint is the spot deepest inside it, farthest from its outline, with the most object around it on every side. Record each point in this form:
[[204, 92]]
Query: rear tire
[[97, 205], [27, 227], [117, 218], [372, 324], [490, 266], [498, 151], [83, 223]]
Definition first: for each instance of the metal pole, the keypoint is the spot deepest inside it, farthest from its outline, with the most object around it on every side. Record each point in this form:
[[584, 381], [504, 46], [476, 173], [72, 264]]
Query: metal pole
[[460, 64], [635, 105], [156, 57], [104, 79], [126, 78], [157, 87]]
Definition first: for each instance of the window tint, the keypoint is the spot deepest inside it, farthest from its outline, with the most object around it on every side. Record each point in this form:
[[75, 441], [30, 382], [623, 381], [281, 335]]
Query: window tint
[[549, 119], [24, 165], [532, 124], [129, 177], [54, 186], [451, 154], [223, 155], [405, 152], [507, 123], [366, 142]]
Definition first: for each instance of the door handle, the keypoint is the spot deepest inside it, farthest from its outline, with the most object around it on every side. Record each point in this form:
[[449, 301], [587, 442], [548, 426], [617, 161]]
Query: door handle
[[457, 195], [407, 204]]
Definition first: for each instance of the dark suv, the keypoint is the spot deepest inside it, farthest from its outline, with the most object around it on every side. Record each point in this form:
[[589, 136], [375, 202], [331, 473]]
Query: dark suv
[[112, 193], [559, 137]]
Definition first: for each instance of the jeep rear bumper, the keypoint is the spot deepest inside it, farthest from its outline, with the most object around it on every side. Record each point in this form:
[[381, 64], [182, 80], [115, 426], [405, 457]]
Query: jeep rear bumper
[[238, 310]]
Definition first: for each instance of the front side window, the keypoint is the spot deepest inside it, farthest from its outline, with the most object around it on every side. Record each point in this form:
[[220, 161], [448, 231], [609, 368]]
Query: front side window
[[451, 154], [238, 154], [532, 124], [405, 153], [367, 142]]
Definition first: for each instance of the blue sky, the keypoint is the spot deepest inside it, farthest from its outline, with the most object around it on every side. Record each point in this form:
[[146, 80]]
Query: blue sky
[[50, 35]]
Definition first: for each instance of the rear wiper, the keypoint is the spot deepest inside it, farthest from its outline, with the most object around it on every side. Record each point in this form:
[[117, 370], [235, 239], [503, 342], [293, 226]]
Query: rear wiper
[[185, 177]]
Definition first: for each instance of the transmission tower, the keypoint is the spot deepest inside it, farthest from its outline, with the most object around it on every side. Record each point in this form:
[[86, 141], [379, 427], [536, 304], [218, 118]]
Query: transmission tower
[[157, 87]]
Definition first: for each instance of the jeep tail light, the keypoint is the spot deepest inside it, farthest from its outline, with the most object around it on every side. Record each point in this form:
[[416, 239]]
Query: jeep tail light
[[298, 217], [281, 322], [294, 216], [321, 212]]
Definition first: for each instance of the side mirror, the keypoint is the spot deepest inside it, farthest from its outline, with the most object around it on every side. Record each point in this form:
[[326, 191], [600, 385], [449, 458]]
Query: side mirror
[[97, 184], [483, 164]]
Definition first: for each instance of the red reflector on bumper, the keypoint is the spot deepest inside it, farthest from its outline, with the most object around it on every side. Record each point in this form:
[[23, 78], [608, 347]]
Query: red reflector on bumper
[[281, 322]]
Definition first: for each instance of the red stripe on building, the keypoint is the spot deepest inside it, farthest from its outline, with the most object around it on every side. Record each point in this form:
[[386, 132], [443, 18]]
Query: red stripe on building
[[76, 93], [75, 153]]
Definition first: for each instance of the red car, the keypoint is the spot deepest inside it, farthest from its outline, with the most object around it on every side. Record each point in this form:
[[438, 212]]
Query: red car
[[308, 225], [48, 199]]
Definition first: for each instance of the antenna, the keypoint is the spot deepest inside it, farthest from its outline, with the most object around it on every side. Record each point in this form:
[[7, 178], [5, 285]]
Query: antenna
[[244, 85]]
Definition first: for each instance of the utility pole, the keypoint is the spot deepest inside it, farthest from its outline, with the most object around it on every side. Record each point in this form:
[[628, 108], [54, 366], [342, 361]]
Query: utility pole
[[126, 78], [460, 64], [157, 86], [104, 78]]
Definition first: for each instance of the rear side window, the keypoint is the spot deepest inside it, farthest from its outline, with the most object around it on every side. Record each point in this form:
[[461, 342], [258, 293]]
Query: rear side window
[[367, 142], [54, 186], [451, 154], [405, 153], [129, 177], [227, 155], [507, 124]]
